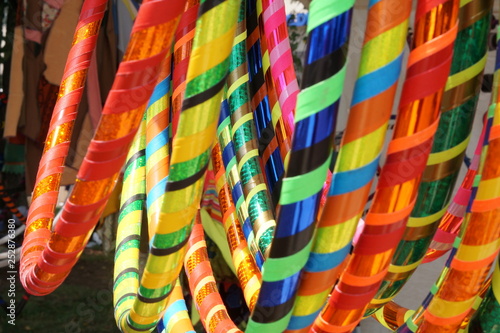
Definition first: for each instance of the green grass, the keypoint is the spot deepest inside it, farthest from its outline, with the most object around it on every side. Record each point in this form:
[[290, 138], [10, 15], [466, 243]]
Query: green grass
[[82, 304], [69, 309]]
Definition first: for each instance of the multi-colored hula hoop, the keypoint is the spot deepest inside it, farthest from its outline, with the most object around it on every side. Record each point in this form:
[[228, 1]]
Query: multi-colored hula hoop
[[247, 271], [255, 190], [182, 51], [477, 302], [176, 318], [392, 315], [418, 117], [283, 133], [127, 100], [307, 168], [226, 144], [281, 60], [360, 149], [191, 150], [157, 145], [475, 249], [458, 108], [326, 63], [452, 220], [130, 219], [486, 317], [268, 142], [213, 312], [36, 275]]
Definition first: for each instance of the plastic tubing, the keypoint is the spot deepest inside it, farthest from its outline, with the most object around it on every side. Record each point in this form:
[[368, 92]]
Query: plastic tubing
[[449, 225], [307, 168], [283, 133], [157, 145], [130, 219], [418, 117], [485, 320], [39, 261], [191, 150], [458, 108], [213, 312], [247, 271], [475, 249], [244, 137], [226, 145], [280, 59], [182, 51], [259, 100], [176, 318], [360, 149]]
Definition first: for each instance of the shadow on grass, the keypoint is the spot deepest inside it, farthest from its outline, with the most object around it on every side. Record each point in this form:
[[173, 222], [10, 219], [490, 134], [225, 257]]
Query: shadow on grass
[[82, 304]]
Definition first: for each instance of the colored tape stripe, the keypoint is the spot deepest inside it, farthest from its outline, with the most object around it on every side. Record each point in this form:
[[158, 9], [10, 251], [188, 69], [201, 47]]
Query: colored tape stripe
[[192, 101], [322, 68], [181, 184], [377, 82], [319, 262], [298, 188], [320, 96], [323, 11]]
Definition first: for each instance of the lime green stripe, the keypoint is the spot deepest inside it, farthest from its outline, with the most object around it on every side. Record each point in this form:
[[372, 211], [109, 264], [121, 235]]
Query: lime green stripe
[[322, 11], [278, 269], [411, 325], [434, 289], [302, 187], [240, 201], [319, 96], [223, 125], [477, 180], [230, 166]]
